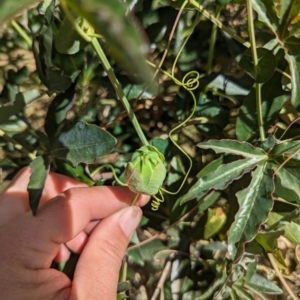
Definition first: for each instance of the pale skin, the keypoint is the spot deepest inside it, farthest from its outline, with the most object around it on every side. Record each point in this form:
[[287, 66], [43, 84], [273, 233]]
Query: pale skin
[[67, 219]]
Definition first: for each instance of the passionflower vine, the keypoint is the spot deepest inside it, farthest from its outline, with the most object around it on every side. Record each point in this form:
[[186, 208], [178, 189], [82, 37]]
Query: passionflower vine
[[145, 172]]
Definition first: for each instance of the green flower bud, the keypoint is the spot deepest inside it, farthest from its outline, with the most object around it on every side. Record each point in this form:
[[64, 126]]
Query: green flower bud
[[145, 172]]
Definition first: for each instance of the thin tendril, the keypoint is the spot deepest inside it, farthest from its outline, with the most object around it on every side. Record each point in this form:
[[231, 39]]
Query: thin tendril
[[97, 170], [285, 131], [184, 43], [167, 47], [156, 203], [189, 84]]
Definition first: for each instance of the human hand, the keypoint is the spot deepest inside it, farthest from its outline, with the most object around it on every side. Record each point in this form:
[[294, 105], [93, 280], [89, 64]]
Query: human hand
[[68, 214]]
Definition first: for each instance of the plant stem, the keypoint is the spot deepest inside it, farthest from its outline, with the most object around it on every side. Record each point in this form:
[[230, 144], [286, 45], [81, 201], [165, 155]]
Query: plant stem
[[213, 41], [256, 71], [110, 73], [22, 33], [117, 86]]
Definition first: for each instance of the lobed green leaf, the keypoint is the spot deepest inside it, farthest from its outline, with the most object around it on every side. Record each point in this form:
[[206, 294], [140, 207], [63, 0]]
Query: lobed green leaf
[[234, 147], [255, 203]]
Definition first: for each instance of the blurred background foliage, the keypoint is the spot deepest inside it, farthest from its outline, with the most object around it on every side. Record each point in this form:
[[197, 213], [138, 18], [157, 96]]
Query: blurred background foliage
[[51, 79]]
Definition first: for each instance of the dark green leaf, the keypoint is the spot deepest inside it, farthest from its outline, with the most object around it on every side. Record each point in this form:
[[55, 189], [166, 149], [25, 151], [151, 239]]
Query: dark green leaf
[[285, 193], [58, 110], [69, 64], [255, 204], [57, 82], [268, 143], [292, 56], [273, 99], [282, 20], [285, 148], [22, 99], [77, 173], [161, 145], [81, 142], [123, 286], [266, 64], [40, 167], [68, 41], [289, 177]]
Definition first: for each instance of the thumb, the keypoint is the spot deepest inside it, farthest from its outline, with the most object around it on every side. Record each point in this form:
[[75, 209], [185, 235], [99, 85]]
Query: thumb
[[97, 271]]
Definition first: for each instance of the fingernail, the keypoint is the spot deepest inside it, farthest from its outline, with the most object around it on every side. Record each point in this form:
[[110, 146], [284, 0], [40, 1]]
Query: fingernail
[[130, 219]]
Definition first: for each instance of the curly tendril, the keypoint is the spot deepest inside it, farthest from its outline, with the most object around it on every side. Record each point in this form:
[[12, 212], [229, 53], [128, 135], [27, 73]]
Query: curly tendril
[[157, 201], [189, 82]]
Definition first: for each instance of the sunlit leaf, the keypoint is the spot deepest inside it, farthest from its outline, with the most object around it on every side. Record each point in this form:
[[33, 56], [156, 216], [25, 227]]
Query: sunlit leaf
[[220, 178], [261, 284], [216, 219], [234, 147]]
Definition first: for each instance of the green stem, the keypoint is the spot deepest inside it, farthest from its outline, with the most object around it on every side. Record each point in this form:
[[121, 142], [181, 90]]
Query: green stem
[[78, 29], [213, 41], [117, 86], [97, 170], [22, 33], [256, 70], [110, 73]]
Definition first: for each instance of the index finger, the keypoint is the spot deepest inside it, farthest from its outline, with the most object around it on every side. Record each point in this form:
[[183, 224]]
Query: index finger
[[14, 200], [62, 218]]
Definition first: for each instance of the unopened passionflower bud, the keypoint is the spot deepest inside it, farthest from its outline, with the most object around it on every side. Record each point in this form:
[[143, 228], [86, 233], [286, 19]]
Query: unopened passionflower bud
[[145, 172]]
